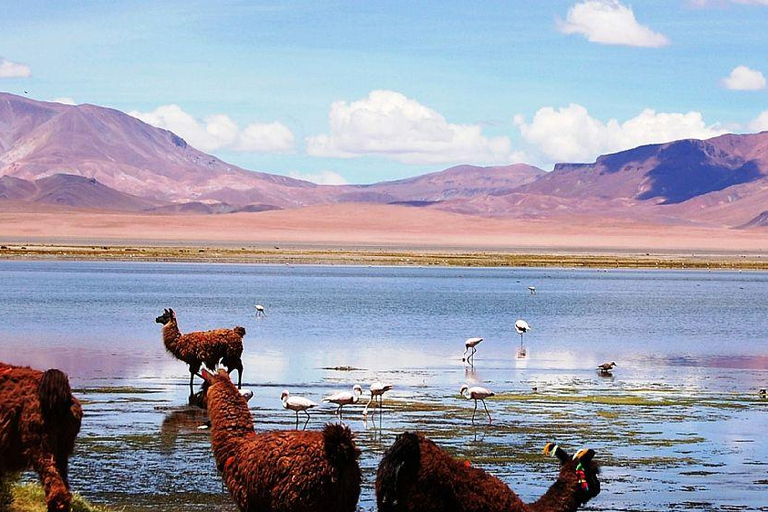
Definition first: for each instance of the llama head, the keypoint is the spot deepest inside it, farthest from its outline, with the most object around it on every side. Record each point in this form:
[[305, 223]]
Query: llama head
[[579, 469], [167, 316]]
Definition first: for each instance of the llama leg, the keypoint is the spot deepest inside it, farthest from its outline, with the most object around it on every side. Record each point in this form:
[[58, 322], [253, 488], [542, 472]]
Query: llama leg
[[191, 382], [57, 495]]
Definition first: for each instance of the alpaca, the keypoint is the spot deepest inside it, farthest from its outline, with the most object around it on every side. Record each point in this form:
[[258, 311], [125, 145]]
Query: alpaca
[[280, 471], [417, 475], [39, 421], [208, 347]]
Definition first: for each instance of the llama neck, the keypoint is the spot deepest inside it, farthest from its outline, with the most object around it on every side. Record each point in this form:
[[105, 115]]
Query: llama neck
[[231, 421], [561, 497], [171, 335]]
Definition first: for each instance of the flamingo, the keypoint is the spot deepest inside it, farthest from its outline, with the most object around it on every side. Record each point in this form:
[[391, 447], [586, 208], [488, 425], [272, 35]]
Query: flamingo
[[471, 343], [378, 389], [297, 403], [343, 398], [477, 393], [606, 368], [522, 327], [532, 289], [260, 310]]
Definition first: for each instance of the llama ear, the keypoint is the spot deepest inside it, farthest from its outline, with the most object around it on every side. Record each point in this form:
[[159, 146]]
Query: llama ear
[[172, 312], [207, 377], [584, 455], [553, 450]]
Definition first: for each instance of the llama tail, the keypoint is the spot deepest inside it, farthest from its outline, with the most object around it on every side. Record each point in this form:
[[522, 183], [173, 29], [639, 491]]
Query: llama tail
[[398, 468], [340, 445], [240, 331], [55, 394]]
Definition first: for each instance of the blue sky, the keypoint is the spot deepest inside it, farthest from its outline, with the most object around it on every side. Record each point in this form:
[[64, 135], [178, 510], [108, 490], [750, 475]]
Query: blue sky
[[366, 91]]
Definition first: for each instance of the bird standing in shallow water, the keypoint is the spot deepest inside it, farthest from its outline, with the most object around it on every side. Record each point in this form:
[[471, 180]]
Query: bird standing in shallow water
[[260, 310], [470, 345], [343, 398], [477, 393], [297, 403], [606, 368], [378, 389]]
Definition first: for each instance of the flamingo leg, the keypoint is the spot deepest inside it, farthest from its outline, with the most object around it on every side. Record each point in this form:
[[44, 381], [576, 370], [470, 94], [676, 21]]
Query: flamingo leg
[[464, 354], [365, 411], [340, 413], [473, 412], [297, 420], [486, 411], [306, 422]]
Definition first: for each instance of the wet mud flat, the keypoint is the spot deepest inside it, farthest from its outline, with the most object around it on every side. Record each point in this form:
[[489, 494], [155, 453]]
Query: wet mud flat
[[664, 445]]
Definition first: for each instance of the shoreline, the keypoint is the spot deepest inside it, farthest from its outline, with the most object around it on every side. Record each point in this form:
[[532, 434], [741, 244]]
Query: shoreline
[[384, 256]]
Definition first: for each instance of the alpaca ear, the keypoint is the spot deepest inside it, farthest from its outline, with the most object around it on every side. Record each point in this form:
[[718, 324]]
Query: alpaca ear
[[172, 312], [584, 455], [207, 377]]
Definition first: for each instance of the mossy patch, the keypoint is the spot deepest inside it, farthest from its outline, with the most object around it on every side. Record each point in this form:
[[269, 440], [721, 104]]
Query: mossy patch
[[29, 497]]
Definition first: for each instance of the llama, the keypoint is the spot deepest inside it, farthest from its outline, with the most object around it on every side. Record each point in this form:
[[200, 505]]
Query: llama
[[208, 347], [39, 421], [417, 475], [280, 471]]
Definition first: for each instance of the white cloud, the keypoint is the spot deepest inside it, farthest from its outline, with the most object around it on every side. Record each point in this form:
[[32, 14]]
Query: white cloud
[[9, 69], [219, 131], [570, 134], [321, 178], [388, 124], [760, 123], [743, 78], [65, 100], [610, 22]]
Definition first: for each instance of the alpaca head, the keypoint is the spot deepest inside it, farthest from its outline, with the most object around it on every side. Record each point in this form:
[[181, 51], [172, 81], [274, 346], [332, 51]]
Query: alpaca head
[[167, 316], [580, 470]]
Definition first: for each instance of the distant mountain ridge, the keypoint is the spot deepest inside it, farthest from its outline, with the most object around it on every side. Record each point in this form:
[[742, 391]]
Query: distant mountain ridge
[[93, 157]]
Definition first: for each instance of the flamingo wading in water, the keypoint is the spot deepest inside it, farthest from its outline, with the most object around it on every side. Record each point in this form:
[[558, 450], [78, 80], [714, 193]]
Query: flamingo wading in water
[[522, 327], [477, 393], [470, 345], [378, 389], [297, 403], [343, 398], [260, 310]]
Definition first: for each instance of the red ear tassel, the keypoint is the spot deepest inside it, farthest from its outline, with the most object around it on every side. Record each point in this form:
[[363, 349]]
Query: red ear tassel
[[467, 464], [581, 477]]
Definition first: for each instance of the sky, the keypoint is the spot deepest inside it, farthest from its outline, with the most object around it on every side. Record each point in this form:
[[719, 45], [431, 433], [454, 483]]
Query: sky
[[360, 92]]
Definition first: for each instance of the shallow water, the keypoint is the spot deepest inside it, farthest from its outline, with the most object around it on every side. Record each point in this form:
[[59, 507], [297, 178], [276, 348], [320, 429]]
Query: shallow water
[[678, 426]]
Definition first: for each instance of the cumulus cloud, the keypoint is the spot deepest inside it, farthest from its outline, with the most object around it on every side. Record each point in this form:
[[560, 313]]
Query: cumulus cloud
[[388, 124], [219, 131], [743, 78], [570, 134], [321, 178], [9, 69], [610, 22], [760, 123]]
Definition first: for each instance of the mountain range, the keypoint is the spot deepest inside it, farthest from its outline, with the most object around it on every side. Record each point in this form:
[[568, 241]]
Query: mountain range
[[90, 157]]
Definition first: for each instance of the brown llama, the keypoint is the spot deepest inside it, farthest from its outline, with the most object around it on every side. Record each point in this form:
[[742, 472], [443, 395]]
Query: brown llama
[[417, 475], [39, 421], [207, 347], [280, 471]]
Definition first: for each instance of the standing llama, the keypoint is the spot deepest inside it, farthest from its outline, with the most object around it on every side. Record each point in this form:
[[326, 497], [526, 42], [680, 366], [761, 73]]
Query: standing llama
[[280, 471], [208, 347], [417, 475], [39, 421]]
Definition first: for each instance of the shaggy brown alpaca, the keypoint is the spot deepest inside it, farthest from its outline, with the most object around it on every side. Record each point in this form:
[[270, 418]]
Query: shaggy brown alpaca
[[208, 347], [39, 421], [280, 471], [417, 475]]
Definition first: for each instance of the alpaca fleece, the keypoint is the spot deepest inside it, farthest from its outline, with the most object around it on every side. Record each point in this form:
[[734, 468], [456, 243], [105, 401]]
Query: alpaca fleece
[[39, 421], [416, 475], [206, 347], [280, 471]]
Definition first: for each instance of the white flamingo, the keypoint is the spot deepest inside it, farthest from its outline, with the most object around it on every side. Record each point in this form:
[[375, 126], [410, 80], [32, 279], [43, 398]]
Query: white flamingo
[[532, 289], [522, 327], [477, 393], [260, 310], [297, 403], [378, 389], [470, 344], [343, 398]]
